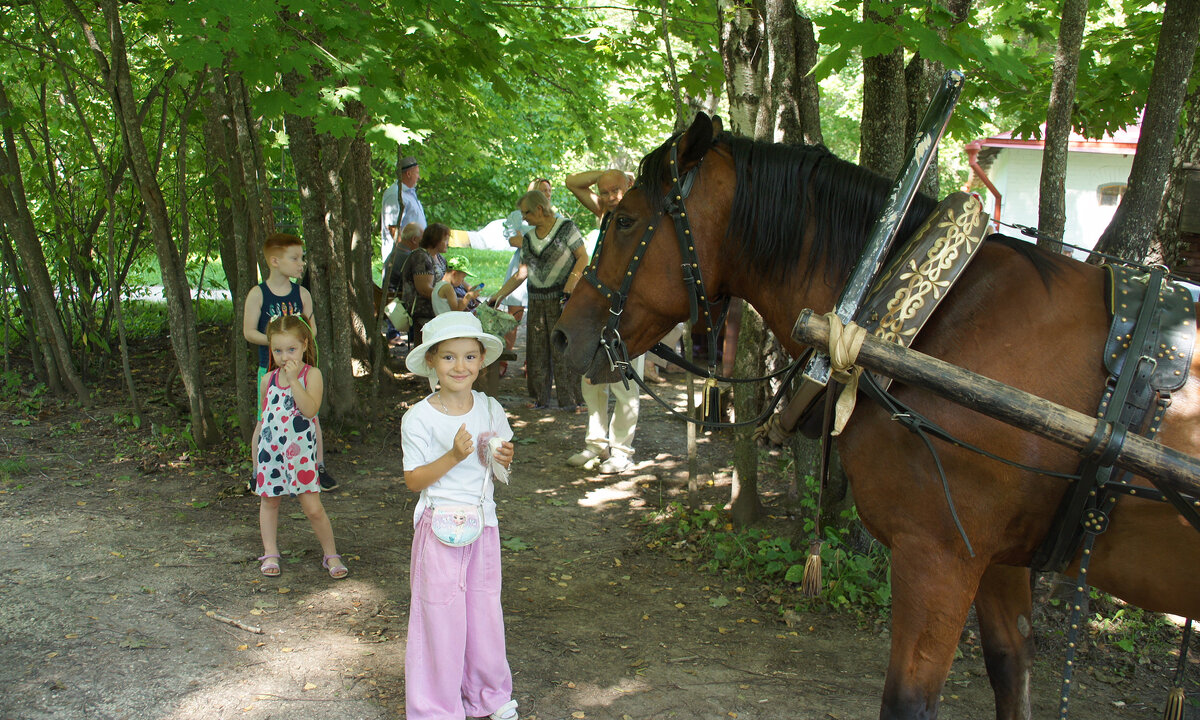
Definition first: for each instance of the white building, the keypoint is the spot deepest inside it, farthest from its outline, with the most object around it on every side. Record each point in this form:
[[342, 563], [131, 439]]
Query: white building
[[1097, 171]]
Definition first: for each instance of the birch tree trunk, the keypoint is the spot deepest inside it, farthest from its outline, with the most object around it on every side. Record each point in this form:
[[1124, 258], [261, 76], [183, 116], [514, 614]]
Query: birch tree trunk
[[742, 39]]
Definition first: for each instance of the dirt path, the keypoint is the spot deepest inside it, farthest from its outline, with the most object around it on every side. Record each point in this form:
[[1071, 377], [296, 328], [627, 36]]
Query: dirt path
[[117, 546]]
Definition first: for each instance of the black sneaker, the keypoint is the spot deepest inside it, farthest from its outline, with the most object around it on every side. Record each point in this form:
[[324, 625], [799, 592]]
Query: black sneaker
[[327, 481]]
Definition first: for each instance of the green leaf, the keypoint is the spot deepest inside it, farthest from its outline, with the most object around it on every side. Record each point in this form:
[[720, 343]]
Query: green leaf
[[515, 544]]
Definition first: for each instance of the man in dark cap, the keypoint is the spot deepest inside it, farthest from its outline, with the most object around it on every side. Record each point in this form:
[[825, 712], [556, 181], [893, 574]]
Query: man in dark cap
[[411, 210], [401, 206]]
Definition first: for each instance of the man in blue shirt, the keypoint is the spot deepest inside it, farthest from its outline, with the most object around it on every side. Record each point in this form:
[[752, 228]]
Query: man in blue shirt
[[411, 210], [400, 206]]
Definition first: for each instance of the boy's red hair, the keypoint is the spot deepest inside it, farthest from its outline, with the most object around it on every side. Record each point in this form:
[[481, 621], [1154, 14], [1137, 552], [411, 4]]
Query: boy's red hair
[[276, 243]]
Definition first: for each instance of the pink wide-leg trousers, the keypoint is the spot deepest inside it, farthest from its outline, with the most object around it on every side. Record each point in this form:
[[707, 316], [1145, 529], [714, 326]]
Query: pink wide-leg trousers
[[456, 665]]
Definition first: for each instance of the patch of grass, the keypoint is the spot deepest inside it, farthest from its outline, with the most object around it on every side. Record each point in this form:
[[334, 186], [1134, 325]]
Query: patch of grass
[[146, 319], [849, 578], [487, 266], [10, 467]]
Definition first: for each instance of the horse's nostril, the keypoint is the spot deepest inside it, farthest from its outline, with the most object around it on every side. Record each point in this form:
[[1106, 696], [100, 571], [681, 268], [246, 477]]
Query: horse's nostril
[[558, 340]]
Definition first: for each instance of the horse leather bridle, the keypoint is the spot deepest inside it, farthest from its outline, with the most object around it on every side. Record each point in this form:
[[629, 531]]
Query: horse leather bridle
[[701, 303]]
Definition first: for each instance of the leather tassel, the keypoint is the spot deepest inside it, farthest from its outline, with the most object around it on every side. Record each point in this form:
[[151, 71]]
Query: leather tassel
[[1174, 709], [811, 585]]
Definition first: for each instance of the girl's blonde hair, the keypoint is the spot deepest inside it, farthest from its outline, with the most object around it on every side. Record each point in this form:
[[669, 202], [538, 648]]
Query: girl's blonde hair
[[296, 326]]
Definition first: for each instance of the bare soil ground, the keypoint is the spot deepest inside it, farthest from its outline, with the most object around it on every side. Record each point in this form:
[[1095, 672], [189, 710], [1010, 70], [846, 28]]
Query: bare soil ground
[[119, 543]]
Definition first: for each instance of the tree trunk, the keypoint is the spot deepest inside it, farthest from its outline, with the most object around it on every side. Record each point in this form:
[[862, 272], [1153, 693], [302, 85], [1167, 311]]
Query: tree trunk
[[1052, 201], [1187, 162], [793, 111], [234, 221], [885, 107], [744, 504], [44, 366], [14, 212], [318, 177], [920, 77], [1130, 234], [302, 145], [742, 37], [810, 93], [363, 225], [184, 339], [783, 75], [119, 311], [339, 383]]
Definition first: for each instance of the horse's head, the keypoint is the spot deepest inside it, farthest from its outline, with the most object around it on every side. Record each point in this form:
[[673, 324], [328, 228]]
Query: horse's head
[[635, 290]]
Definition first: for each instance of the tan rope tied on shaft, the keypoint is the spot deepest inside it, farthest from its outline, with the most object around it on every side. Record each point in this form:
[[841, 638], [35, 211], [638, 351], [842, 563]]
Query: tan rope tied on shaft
[[844, 344]]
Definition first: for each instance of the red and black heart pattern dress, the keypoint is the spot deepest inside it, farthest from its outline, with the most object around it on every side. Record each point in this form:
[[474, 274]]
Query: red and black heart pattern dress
[[286, 445]]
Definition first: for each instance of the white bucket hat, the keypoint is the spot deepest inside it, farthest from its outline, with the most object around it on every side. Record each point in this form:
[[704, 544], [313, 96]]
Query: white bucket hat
[[448, 326]]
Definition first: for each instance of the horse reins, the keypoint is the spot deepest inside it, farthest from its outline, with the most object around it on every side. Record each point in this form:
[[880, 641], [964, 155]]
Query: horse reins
[[701, 303]]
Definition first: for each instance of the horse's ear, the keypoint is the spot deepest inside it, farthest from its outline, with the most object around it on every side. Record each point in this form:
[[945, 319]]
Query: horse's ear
[[696, 141]]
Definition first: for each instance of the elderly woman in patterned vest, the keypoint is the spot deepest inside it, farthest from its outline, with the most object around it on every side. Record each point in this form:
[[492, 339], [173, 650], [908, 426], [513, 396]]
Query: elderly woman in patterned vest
[[552, 259]]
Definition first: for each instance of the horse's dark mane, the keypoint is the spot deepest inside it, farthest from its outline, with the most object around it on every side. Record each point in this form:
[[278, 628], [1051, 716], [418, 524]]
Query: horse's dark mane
[[782, 189], [1047, 265], [654, 168]]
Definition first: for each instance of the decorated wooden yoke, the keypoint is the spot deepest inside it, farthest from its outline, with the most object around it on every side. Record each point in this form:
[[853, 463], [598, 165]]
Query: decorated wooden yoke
[[917, 279], [904, 296]]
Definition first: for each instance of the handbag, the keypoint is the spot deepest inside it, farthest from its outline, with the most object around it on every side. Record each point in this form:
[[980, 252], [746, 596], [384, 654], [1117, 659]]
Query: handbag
[[457, 524], [401, 318]]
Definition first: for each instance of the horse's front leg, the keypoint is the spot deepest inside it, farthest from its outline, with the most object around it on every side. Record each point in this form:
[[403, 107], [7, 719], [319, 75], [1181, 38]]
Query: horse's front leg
[[1004, 606], [932, 590]]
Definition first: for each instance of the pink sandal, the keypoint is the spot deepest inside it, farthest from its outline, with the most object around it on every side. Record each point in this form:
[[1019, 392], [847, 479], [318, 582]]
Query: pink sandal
[[338, 571], [270, 565]]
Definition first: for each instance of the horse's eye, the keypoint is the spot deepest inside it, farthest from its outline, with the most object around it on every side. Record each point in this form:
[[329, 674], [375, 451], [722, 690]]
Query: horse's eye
[[624, 222]]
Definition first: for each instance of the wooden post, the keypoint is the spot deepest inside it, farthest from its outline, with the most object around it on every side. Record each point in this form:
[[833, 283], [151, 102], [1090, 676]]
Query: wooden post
[[1161, 465]]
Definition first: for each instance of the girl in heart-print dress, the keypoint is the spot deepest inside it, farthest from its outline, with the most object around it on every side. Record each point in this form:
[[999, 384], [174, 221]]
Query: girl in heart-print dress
[[286, 459], [287, 443]]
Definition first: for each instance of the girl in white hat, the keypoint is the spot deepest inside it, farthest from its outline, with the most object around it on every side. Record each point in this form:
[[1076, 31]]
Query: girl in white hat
[[455, 442]]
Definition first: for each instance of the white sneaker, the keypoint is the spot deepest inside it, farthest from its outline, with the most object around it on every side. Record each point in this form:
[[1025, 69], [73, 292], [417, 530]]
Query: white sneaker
[[507, 711], [616, 464], [583, 458]]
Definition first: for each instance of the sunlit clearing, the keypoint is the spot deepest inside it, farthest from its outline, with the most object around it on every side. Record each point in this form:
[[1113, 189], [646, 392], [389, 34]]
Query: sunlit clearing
[[625, 489], [591, 695], [281, 672]]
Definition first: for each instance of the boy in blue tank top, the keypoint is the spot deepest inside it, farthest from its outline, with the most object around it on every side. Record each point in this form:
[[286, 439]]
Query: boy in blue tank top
[[277, 296]]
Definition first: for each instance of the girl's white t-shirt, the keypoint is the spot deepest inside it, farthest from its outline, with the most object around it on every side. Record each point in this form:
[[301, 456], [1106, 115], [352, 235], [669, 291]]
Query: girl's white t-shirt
[[440, 305], [427, 433]]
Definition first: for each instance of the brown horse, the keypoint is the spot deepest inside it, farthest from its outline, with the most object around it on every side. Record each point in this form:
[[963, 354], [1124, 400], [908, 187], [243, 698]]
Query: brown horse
[[781, 227]]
